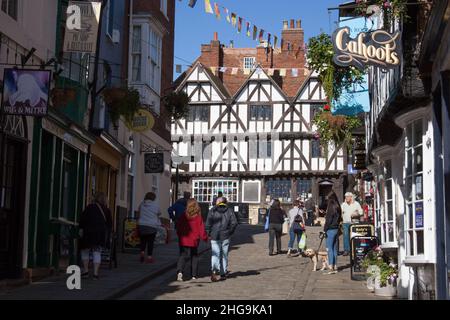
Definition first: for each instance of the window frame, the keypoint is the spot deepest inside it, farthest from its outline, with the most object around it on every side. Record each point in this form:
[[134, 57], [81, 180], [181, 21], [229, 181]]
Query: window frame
[[213, 186], [109, 18], [411, 229], [136, 52], [7, 10], [163, 5], [259, 190], [281, 194], [247, 61], [384, 222]]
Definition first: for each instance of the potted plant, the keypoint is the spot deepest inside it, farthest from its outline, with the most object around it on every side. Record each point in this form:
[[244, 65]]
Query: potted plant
[[121, 102], [177, 104], [382, 276]]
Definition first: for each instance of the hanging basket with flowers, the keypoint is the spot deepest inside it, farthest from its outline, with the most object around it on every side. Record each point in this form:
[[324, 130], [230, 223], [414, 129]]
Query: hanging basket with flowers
[[335, 129], [122, 102], [390, 9]]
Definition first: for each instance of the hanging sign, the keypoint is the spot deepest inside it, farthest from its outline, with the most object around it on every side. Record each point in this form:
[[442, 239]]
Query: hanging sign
[[142, 121], [154, 162], [26, 92], [82, 26], [377, 48]]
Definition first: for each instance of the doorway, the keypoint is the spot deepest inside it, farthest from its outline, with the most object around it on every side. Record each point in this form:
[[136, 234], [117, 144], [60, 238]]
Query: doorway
[[12, 191]]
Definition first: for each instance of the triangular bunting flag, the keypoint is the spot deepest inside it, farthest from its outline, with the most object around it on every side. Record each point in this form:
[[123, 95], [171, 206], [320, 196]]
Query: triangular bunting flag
[[271, 72], [223, 69], [283, 72], [239, 24], [248, 29], [295, 73], [192, 3], [227, 12], [234, 71], [247, 71], [275, 41], [269, 36], [208, 7], [261, 35], [258, 71], [255, 32], [233, 19], [213, 70], [217, 10]]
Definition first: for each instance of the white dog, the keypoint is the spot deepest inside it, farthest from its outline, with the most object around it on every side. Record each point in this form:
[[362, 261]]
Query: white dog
[[315, 256]]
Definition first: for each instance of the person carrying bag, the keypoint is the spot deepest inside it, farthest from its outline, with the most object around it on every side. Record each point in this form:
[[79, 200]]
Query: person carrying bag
[[296, 227]]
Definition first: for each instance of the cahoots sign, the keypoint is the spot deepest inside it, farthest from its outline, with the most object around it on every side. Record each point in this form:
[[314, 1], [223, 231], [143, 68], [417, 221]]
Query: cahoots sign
[[378, 48]]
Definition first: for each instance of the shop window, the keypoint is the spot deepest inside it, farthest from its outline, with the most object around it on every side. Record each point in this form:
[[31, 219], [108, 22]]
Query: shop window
[[205, 190], [303, 188], [415, 214], [279, 189], [69, 184], [387, 215]]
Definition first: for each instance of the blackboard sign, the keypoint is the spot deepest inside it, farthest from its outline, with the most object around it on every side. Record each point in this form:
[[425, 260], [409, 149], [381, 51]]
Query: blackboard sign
[[154, 162], [362, 230], [360, 247]]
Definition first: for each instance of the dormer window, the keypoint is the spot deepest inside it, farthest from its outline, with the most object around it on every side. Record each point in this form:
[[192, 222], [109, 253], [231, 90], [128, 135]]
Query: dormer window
[[249, 63]]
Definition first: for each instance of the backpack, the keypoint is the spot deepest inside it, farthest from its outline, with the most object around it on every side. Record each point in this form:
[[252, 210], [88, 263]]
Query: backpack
[[298, 218]]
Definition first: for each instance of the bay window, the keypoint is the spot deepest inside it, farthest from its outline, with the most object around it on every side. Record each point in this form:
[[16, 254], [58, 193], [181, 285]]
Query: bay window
[[387, 216], [136, 54], [414, 189], [155, 61]]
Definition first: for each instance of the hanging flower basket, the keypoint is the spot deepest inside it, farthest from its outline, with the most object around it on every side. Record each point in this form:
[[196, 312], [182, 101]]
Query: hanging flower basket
[[177, 105], [335, 129], [61, 97], [121, 102], [391, 9]]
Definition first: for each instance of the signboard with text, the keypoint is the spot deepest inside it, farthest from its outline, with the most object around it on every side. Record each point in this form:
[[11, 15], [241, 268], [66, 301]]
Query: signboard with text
[[154, 162], [26, 92], [377, 48], [360, 246], [361, 230], [82, 27]]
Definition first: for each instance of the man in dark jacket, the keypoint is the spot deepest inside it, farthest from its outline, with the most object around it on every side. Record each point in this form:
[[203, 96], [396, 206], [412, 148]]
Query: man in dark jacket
[[179, 207], [220, 226]]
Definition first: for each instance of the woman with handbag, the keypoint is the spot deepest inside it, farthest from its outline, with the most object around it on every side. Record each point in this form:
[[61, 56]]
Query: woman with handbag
[[333, 220], [148, 225], [95, 226], [190, 230], [276, 218], [296, 226]]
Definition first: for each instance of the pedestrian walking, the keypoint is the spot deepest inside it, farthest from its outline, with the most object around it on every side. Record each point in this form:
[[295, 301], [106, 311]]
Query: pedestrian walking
[[276, 220], [95, 230], [190, 230], [310, 210], [333, 219], [179, 207], [148, 225], [296, 227], [220, 226], [351, 213]]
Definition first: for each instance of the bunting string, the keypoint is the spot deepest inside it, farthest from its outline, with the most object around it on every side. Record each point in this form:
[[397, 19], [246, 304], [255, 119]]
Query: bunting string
[[237, 21]]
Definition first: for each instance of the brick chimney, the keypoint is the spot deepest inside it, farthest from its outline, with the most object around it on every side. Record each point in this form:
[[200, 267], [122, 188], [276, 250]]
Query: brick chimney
[[212, 54], [292, 35]]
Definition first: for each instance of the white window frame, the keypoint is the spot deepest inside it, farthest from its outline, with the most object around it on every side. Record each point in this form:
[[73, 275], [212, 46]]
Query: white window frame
[[155, 60], [259, 190], [216, 186], [249, 63], [108, 22], [135, 52], [409, 146], [384, 221], [163, 7]]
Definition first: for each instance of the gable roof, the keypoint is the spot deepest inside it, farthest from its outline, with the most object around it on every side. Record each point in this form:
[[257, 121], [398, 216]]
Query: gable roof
[[215, 81]]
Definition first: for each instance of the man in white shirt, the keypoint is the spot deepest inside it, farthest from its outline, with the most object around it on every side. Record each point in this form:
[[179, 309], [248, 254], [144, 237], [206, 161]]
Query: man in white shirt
[[351, 213]]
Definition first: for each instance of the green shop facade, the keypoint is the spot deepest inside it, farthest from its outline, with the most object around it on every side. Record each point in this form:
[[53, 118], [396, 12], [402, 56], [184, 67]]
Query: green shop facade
[[59, 165]]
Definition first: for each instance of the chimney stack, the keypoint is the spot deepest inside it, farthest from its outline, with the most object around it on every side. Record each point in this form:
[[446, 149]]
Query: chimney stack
[[216, 36], [285, 25], [292, 23], [292, 37], [299, 24]]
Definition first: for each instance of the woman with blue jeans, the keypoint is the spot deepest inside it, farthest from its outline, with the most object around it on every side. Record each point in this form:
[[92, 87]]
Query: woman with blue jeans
[[333, 220], [296, 213]]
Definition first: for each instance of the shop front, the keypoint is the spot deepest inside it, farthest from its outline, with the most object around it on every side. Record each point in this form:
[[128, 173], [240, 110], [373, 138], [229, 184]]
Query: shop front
[[106, 158], [57, 196]]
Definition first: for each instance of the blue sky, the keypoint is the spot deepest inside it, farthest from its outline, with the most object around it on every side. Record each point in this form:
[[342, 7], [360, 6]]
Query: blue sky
[[194, 27]]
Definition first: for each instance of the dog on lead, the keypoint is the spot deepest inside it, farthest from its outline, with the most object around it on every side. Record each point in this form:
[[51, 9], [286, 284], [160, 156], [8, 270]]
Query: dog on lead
[[317, 256]]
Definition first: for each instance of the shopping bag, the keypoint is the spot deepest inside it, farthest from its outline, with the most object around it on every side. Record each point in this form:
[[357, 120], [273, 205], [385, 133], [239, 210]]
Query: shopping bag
[[302, 242], [266, 226]]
